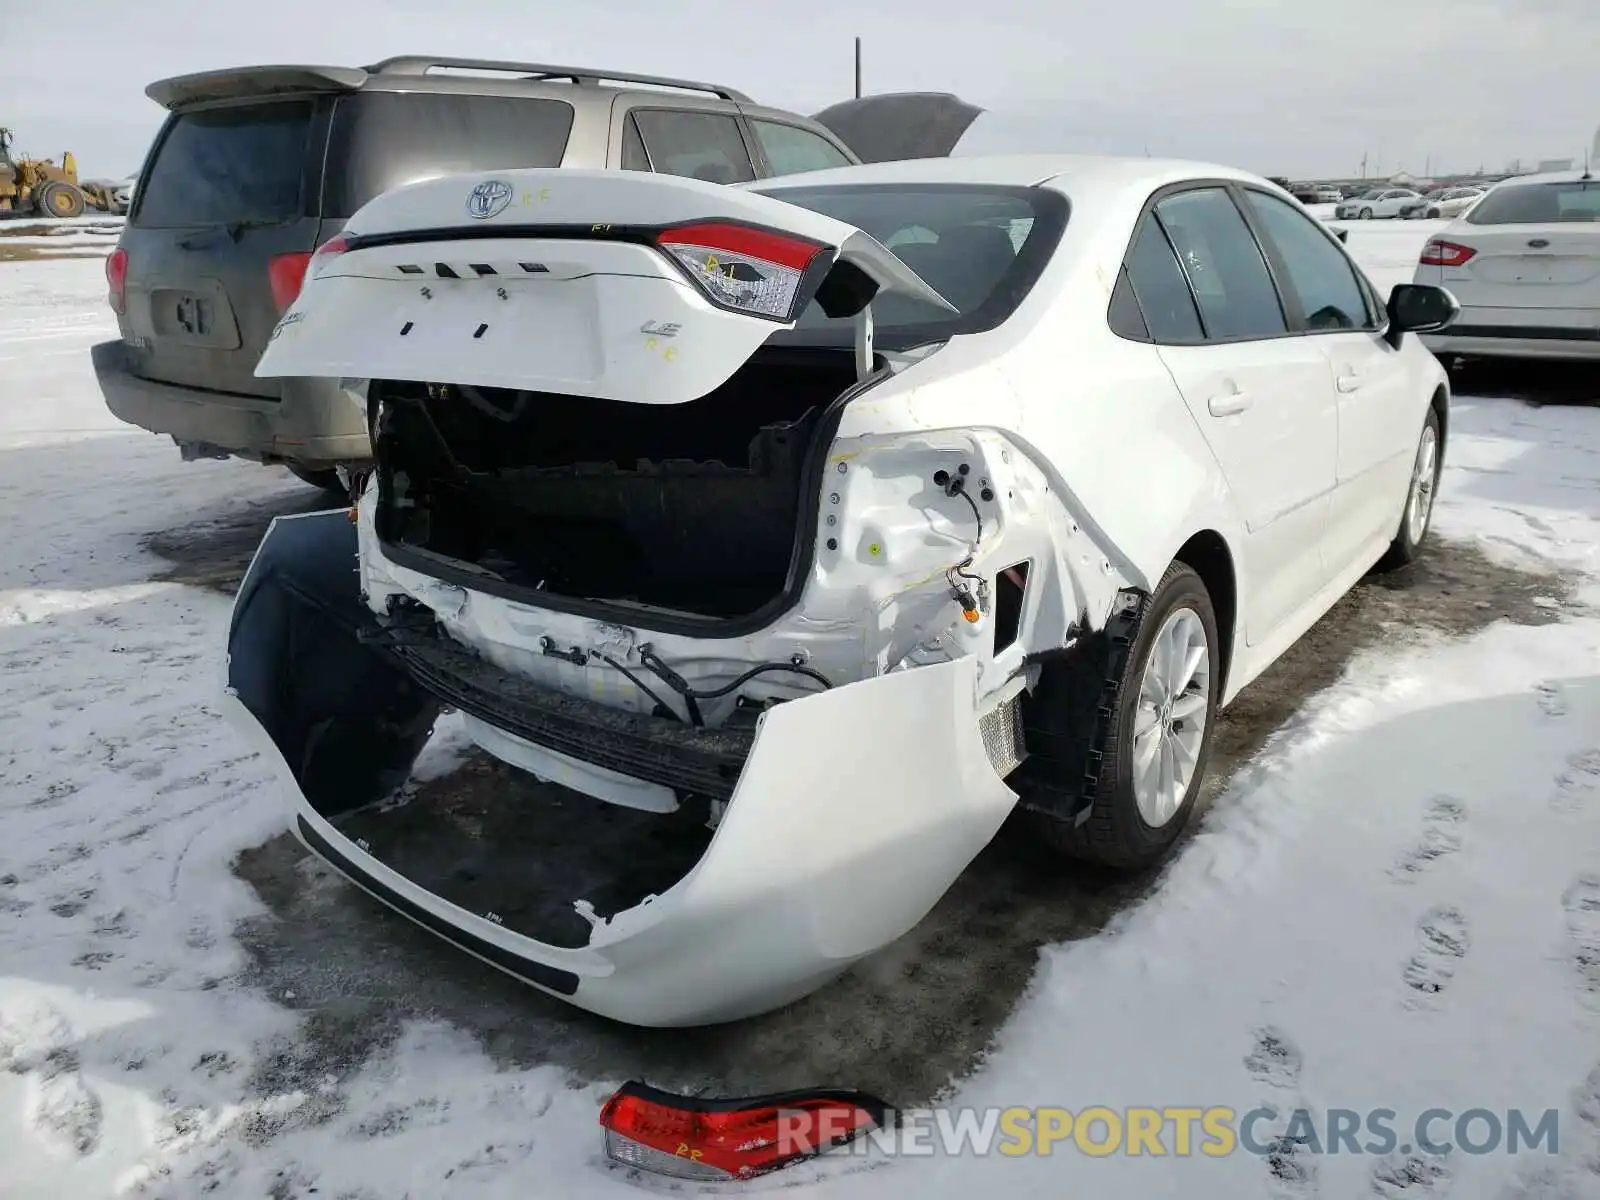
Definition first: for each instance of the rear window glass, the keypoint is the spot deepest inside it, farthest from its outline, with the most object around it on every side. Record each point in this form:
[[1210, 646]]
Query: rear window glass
[[223, 166], [383, 140], [980, 247], [1537, 203]]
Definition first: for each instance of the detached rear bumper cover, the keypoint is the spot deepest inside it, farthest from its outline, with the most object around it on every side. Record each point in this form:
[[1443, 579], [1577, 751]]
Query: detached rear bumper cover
[[854, 811]]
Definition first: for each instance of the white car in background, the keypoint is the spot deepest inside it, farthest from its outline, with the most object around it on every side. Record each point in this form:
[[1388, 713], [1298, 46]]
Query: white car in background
[[1451, 202], [815, 556], [1378, 203], [1524, 262]]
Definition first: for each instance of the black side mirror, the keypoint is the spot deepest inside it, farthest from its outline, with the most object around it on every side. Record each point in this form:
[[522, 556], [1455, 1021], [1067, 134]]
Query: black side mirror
[[1419, 308], [1342, 234]]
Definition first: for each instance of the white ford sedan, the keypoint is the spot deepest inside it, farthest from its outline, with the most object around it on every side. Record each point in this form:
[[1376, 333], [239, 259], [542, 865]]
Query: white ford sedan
[[820, 523], [1525, 264]]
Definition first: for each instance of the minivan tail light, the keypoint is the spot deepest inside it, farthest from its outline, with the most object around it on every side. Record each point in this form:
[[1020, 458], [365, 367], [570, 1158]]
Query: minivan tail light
[[742, 267], [723, 1140], [1439, 253], [286, 272], [117, 280]]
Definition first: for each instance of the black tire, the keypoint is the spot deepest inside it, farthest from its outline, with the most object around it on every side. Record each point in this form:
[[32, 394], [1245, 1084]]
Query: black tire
[[1408, 541], [59, 200], [1115, 833], [1365, 214], [326, 478], [1434, 214]]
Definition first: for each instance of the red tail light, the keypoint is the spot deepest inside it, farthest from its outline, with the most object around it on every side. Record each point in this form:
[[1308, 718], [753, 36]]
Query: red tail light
[[739, 267], [117, 280], [721, 1140], [1446, 254], [287, 272]]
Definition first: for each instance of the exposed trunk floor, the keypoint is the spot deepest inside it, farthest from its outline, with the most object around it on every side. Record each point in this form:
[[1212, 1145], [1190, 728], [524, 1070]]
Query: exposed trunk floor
[[493, 839]]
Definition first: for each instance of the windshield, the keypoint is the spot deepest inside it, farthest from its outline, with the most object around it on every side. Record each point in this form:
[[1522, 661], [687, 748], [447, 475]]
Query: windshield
[[1539, 203], [981, 247]]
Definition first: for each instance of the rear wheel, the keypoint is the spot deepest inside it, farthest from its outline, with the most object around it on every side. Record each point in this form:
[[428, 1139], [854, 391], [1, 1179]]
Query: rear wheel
[[1417, 516], [325, 478], [1434, 214], [1154, 752], [62, 200]]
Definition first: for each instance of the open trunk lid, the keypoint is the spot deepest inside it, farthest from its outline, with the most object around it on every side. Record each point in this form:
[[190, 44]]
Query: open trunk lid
[[646, 288], [900, 125]]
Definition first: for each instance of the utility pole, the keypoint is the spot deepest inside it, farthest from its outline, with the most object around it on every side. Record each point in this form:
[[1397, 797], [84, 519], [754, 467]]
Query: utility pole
[[1363, 164], [858, 68]]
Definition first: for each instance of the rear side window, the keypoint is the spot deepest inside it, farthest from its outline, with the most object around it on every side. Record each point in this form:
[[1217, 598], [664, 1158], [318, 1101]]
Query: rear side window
[[1160, 288], [791, 150], [243, 164], [1220, 256], [1538, 203], [1321, 275], [383, 140], [696, 145]]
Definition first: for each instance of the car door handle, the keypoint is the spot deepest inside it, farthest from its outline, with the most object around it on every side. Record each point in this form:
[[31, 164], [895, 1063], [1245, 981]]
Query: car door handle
[[1227, 404], [1348, 383]]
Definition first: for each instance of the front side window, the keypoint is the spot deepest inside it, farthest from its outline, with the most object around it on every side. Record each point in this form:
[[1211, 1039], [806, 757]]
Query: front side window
[[695, 145], [1224, 265], [1319, 272], [791, 150]]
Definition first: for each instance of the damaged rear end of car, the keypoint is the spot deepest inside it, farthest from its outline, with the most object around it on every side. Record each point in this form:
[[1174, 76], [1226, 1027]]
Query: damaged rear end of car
[[698, 503]]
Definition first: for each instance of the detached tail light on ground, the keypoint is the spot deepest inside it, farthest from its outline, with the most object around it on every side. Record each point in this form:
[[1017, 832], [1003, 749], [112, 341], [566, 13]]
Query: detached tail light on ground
[[286, 273], [723, 1140], [740, 267], [1439, 253], [117, 280]]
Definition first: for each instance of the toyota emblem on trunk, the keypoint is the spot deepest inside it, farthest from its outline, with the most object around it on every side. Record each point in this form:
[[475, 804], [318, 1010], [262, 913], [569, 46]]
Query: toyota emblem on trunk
[[488, 199]]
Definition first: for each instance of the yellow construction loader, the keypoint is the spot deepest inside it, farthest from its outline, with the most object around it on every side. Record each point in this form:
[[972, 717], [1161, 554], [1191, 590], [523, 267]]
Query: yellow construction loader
[[37, 186]]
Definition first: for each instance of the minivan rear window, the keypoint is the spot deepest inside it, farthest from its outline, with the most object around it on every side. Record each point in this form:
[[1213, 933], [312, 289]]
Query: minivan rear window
[[240, 164], [1538, 203], [383, 140]]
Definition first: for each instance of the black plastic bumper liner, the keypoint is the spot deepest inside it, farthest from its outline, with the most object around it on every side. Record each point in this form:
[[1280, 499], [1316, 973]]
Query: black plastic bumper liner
[[705, 762]]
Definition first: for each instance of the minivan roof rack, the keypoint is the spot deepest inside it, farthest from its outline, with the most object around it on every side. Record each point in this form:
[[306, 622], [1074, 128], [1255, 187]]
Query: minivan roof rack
[[421, 64]]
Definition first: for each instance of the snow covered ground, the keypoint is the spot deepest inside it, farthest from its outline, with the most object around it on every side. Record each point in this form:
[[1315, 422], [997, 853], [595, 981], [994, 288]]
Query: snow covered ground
[[1396, 905]]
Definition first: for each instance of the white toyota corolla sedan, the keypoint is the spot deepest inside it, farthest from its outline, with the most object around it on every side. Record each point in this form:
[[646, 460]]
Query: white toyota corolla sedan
[[821, 523]]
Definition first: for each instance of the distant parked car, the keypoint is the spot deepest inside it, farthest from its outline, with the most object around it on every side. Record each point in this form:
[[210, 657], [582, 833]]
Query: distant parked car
[[1449, 202], [1524, 263], [1328, 194], [1377, 203]]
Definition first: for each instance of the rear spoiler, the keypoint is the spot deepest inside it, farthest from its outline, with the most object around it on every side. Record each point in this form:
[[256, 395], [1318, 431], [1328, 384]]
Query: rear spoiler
[[235, 83]]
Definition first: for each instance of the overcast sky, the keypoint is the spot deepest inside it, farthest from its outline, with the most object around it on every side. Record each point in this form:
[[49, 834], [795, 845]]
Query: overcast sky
[[1293, 87]]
